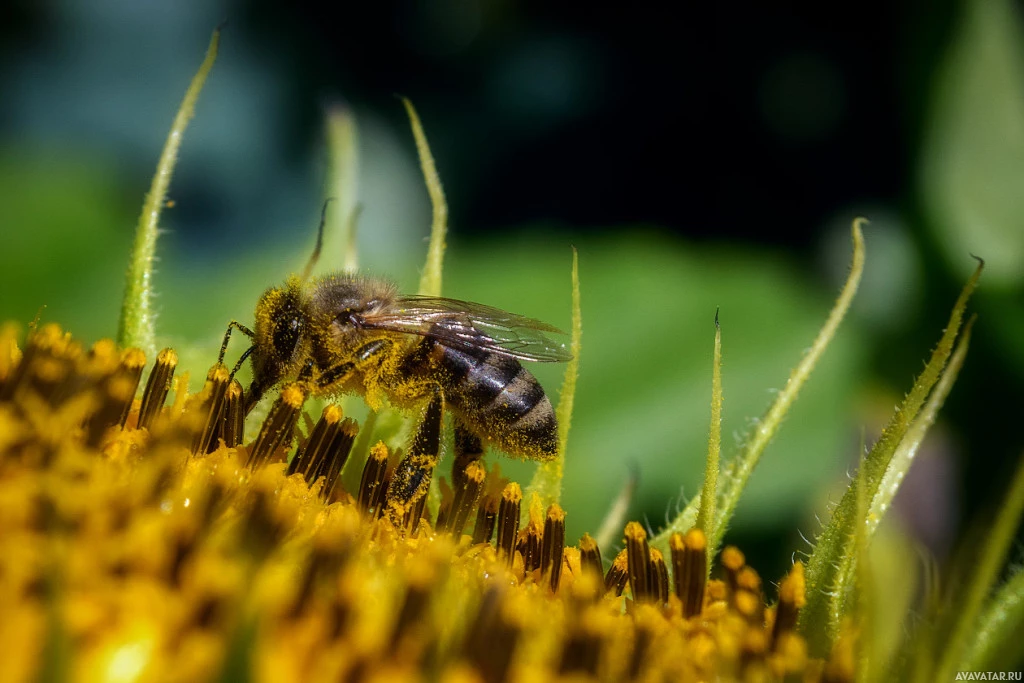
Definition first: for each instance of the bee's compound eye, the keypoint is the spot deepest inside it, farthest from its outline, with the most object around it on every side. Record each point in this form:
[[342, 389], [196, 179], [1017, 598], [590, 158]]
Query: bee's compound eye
[[286, 333]]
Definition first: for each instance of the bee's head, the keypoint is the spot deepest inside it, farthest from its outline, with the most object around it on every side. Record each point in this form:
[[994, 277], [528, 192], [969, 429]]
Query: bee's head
[[280, 337]]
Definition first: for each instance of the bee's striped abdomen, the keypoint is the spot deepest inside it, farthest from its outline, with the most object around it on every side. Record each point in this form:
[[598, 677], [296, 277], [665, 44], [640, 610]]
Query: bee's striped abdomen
[[498, 399]]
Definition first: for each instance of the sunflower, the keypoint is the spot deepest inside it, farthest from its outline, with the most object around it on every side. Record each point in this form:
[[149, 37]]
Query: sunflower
[[145, 535]]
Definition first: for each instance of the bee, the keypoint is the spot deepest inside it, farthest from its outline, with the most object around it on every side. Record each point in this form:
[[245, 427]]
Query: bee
[[351, 334]]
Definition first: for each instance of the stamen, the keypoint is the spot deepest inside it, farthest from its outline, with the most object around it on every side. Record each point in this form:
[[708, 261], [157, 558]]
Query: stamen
[[10, 355], [553, 545], [371, 486], [749, 605], [617, 574], [157, 387], [639, 560], [732, 561], [380, 495], [486, 515], [658, 579], [749, 600], [40, 368], [119, 380], [689, 569], [337, 454], [466, 497], [529, 542], [261, 527], [417, 598], [791, 601], [580, 654], [234, 415], [582, 650], [444, 507], [211, 409], [590, 556], [644, 634], [716, 591], [753, 648], [508, 521], [118, 392], [310, 457], [790, 655], [133, 361], [492, 639], [277, 428]]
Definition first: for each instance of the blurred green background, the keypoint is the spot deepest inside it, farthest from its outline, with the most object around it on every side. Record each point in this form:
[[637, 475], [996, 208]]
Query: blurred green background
[[711, 163]]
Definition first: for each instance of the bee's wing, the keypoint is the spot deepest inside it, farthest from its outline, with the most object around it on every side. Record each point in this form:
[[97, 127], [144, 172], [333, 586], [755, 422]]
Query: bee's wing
[[469, 327]]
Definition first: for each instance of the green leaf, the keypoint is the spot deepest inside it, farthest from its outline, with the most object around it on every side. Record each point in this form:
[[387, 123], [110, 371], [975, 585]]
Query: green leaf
[[966, 615], [430, 281], [972, 165], [641, 399], [903, 456], [59, 254], [995, 640], [738, 471], [709, 492], [343, 185], [137, 326], [547, 478], [831, 567]]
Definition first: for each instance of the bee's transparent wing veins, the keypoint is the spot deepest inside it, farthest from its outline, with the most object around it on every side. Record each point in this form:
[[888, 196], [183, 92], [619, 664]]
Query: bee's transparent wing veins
[[471, 327]]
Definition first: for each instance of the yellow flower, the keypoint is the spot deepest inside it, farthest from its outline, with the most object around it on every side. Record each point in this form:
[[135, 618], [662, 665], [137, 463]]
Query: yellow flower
[[175, 550]]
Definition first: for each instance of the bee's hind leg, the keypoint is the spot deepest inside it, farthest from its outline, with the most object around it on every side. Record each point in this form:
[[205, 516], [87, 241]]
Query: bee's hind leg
[[468, 449], [467, 480], [407, 491]]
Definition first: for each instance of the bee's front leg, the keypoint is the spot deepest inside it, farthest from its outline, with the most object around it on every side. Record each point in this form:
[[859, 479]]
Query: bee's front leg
[[233, 325], [407, 491]]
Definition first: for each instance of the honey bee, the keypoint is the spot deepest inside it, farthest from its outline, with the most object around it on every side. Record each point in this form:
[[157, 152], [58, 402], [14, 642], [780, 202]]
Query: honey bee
[[346, 333]]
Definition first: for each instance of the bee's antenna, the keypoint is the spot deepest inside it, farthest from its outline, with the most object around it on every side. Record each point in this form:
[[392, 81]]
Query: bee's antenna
[[315, 256]]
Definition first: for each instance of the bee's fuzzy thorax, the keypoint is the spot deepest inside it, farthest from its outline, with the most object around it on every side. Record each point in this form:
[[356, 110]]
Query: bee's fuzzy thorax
[[335, 292]]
